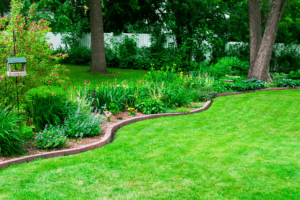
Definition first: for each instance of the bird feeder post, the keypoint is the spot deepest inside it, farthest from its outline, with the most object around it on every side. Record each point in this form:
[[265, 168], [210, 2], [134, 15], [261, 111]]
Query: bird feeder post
[[16, 61]]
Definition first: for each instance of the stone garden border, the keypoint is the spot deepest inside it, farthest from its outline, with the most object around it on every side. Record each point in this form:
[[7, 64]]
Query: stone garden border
[[112, 129]]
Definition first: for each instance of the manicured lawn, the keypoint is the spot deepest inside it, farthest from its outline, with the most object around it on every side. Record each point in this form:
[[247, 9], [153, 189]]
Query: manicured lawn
[[243, 147]]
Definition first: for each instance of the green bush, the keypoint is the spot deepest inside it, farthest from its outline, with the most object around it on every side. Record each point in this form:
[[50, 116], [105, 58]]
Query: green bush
[[77, 56], [249, 84], [150, 106], [82, 122], [286, 83], [278, 76], [112, 97], [10, 134], [228, 66], [202, 94], [175, 96], [240, 51], [128, 47], [294, 74], [288, 60], [47, 109]]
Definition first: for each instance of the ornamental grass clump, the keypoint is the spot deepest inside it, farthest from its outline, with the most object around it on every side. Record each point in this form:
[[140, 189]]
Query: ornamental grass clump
[[10, 135], [43, 109], [114, 97]]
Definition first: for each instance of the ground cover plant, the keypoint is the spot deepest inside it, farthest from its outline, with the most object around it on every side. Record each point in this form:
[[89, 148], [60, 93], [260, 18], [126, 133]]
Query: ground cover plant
[[242, 147]]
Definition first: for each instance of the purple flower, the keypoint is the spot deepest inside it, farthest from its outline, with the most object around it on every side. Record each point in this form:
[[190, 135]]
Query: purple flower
[[48, 141], [41, 137]]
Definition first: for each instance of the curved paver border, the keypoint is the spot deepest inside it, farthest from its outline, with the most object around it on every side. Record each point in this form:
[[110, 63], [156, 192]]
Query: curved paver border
[[111, 131]]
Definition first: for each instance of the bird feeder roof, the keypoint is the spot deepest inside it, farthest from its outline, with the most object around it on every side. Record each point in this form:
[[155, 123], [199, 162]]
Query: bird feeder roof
[[16, 60]]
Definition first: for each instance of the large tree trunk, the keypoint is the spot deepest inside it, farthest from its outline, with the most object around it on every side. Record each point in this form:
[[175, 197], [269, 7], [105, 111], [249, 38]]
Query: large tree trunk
[[261, 66], [97, 37], [255, 30]]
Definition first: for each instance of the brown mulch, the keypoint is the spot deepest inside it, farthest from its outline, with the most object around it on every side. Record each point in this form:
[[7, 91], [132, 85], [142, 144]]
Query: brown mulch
[[80, 142]]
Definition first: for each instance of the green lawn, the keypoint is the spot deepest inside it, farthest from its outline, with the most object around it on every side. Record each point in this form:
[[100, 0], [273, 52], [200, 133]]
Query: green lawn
[[243, 147], [79, 74]]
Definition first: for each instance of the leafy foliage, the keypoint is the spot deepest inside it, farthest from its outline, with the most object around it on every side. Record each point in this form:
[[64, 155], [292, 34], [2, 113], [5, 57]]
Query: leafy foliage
[[47, 109], [31, 44], [286, 83], [51, 137], [82, 122], [76, 55], [150, 106], [10, 134]]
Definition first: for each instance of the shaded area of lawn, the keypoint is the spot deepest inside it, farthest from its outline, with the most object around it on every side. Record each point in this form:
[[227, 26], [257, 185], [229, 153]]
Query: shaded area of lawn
[[79, 74], [244, 147]]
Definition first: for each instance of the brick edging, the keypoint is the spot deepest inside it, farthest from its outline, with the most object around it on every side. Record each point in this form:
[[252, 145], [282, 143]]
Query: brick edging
[[112, 129]]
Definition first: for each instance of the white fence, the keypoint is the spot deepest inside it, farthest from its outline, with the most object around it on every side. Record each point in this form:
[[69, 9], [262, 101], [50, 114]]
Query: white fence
[[142, 40]]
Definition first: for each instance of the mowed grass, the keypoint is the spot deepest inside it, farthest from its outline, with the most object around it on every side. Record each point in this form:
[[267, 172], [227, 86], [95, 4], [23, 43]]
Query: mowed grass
[[80, 74], [243, 147]]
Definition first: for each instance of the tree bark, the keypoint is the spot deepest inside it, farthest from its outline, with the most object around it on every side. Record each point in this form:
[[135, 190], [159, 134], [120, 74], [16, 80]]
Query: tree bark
[[261, 66], [255, 31], [97, 37]]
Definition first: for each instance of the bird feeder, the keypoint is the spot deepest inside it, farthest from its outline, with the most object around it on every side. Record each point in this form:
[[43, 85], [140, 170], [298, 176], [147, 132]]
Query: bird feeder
[[16, 61]]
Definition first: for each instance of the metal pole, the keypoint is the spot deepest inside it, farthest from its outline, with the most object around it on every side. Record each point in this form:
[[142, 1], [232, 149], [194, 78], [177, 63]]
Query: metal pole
[[17, 94], [14, 39]]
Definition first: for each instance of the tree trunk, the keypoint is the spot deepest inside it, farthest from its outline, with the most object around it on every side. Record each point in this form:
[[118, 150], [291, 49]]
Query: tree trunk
[[97, 37], [261, 66], [255, 30]]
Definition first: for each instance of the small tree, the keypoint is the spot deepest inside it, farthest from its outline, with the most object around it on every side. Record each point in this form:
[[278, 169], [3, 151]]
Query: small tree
[[30, 43]]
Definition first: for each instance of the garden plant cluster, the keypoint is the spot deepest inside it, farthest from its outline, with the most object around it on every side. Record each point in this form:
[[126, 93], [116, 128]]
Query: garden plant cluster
[[48, 119]]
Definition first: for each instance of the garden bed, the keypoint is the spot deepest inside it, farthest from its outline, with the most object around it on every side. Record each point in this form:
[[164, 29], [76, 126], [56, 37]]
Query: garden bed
[[74, 143], [31, 149]]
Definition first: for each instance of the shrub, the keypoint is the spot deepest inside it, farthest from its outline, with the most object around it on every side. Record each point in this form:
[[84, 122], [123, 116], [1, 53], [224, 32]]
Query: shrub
[[51, 137], [249, 84], [113, 97], [82, 123], [47, 109], [229, 66], [78, 56], [31, 43], [294, 74], [288, 60], [202, 94], [175, 96], [128, 47], [286, 83], [149, 106], [10, 134], [240, 51], [278, 76]]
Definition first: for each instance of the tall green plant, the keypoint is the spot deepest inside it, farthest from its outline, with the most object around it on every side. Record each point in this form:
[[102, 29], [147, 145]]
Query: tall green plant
[[47, 109], [10, 134], [31, 43]]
